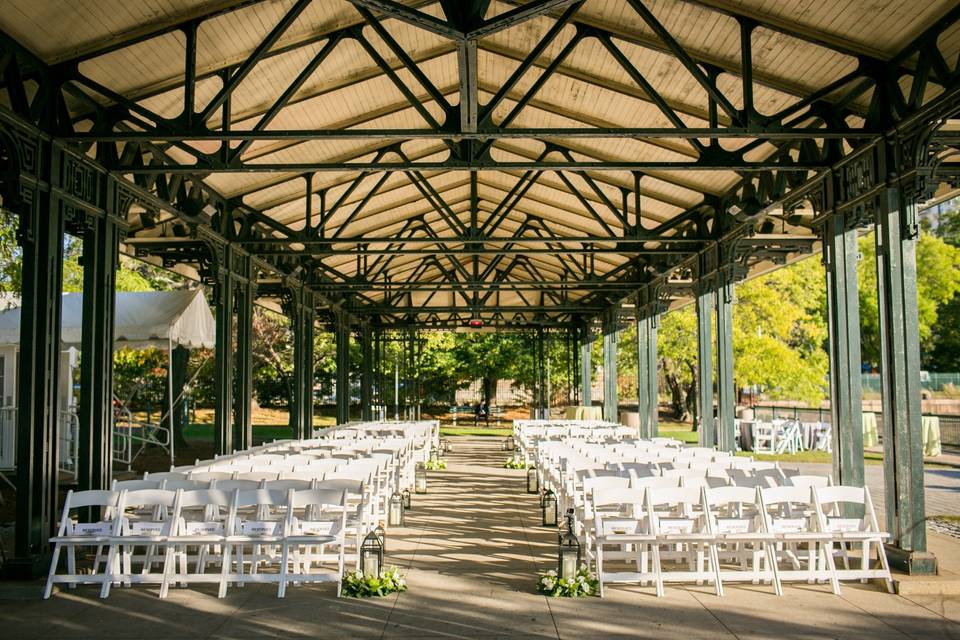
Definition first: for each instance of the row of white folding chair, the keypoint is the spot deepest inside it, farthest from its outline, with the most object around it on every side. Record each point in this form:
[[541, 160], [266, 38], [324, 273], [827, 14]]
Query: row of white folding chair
[[172, 533], [774, 522]]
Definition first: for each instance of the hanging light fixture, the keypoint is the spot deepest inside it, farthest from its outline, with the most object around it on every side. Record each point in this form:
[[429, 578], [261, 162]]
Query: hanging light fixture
[[405, 494]]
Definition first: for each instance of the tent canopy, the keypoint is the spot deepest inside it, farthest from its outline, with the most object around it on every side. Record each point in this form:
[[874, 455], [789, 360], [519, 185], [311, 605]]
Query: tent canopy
[[143, 319]]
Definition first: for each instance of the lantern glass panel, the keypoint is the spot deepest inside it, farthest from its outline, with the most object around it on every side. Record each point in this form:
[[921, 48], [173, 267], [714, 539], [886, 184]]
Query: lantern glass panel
[[371, 555], [396, 510], [533, 483], [549, 509], [406, 498], [420, 479]]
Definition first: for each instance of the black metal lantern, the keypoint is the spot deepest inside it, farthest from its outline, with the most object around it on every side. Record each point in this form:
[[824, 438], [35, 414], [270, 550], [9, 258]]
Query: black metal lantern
[[533, 482], [507, 444], [420, 478], [381, 533], [395, 510], [371, 555], [405, 495], [568, 551], [445, 445], [549, 507]]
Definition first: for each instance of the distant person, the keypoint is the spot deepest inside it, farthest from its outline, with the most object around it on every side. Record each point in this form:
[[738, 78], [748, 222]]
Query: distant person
[[481, 412]]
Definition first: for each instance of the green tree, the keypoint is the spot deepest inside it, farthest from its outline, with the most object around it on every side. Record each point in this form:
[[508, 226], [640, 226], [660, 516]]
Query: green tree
[[938, 281]]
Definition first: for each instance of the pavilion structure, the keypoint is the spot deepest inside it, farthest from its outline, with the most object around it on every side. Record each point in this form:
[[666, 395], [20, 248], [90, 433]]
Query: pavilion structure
[[381, 166]]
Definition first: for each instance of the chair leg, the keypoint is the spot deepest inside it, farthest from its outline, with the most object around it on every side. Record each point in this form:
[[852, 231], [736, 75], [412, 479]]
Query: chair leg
[[772, 561], [224, 570], [108, 571], [53, 570], [284, 559], [831, 566], [658, 577]]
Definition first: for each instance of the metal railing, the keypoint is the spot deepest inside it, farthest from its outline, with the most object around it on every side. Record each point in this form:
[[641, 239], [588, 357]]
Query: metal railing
[[949, 424], [131, 436], [8, 438]]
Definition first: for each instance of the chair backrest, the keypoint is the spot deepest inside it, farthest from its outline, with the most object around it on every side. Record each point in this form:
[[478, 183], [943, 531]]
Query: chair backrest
[[186, 485], [607, 496], [591, 485], [135, 485], [165, 475], [258, 476], [205, 497], [148, 498], [673, 496], [840, 494], [316, 498], [655, 481], [809, 481], [108, 501], [309, 475], [235, 485], [351, 486], [211, 475], [718, 496], [287, 484]]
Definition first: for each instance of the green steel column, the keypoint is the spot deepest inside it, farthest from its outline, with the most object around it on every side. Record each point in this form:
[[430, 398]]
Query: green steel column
[[366, 373], [40, 235], [343, 369], [303, 314], [101, 242], [541, 390], [726, 400], [243, 400], [896, 234], [610, 403], [706, 426], [840, 251], [647, 387], [586, 369], [223, 361]]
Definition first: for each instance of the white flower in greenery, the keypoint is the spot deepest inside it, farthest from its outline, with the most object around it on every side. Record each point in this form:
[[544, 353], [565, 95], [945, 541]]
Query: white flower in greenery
[[552, 573]]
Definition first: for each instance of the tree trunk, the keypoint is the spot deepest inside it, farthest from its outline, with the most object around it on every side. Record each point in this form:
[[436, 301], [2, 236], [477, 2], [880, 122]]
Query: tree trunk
[[489, 389], [692, 392]]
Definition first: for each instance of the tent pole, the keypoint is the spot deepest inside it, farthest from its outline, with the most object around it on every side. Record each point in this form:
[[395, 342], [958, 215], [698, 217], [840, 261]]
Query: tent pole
[[170, 416]]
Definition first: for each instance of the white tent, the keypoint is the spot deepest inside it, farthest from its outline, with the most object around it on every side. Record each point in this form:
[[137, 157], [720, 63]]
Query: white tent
[[162, 319], [143, 319]]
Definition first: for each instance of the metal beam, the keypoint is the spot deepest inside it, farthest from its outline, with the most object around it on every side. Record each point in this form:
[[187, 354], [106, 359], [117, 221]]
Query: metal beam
[[342, 339], [706, 426], [610, 341]]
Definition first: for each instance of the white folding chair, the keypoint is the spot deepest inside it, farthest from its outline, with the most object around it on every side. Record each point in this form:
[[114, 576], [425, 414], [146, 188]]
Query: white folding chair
[[834, 507], [790, 515], [149, 532], [316, 521], [620, 522], [200, 518], [678, 519], [99, 533], [736, 522]]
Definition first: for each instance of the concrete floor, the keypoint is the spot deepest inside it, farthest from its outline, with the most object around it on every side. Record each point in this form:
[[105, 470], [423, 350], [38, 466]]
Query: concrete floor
[[471, 549]]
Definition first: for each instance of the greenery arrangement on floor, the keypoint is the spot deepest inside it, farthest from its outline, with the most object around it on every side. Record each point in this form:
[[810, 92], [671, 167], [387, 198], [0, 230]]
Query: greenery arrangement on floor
[[516, 462], [357, 585], [584, 583], [435, 464]]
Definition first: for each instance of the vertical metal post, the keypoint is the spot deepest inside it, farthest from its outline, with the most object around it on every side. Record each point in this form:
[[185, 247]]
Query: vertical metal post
[[586, 370], [101, 242], [840, 251], [40, 235], [223, 359], [610, 403], [541, 378], [366, 373], [343, 369], [706, 425], [647, 387], [896, 234], [243, 357], [304, 315], [726, 401]]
